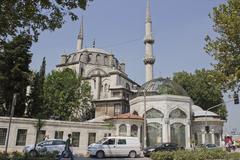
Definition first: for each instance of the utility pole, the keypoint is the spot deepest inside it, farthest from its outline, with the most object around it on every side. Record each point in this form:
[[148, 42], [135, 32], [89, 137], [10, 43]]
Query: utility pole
[[14, 101]]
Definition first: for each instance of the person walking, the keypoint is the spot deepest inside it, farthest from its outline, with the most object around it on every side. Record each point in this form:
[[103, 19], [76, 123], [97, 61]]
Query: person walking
[[67, 153]]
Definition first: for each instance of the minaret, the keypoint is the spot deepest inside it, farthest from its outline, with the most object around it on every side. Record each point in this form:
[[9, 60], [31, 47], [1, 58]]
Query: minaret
[[80, 38], [148, 41]]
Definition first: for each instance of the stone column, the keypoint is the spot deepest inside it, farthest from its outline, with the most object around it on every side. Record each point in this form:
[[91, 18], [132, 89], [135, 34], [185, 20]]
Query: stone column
[[139, 132], [188, 136], [203, 138], [117, 130], [213, 138], [165, 131], [128, 129], [98, 86]]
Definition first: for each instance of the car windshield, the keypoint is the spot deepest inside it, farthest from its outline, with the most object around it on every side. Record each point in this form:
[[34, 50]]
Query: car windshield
[[101, 141]]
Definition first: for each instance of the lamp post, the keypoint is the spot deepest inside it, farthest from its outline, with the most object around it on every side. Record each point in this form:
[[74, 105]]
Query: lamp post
[[14, 100]]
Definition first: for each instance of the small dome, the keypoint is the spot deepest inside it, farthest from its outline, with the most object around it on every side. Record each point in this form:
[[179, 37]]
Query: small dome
[[161, 86]]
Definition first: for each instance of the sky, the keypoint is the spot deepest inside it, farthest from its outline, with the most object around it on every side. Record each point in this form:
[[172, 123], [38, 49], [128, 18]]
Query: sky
[[118, 26]]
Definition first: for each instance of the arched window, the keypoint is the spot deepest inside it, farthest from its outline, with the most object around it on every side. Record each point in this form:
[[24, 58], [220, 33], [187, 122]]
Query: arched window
[[178, 134], [89, 57], [122, 130], [97, 59], [105, 60], [154, 133], [153, 113], [177, 113], [134, 130], [127, 86], [105, 90]]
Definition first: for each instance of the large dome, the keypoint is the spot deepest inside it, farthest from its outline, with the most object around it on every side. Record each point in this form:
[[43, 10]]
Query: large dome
[[160, 86]]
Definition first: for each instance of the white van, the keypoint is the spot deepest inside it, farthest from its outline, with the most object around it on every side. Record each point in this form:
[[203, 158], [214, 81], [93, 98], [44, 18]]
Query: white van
[[115, 147]]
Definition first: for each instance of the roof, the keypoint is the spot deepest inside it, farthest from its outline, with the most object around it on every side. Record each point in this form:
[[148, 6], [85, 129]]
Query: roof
[[127, 116], [205, 113], [99, 119], [161, 86]]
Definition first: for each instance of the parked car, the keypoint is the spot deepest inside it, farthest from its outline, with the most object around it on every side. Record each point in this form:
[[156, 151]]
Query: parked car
[[209, 146], [51, 145], [116, 147], [160, 147]]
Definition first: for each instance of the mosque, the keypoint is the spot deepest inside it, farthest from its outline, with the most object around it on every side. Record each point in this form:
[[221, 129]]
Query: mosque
[[170, 115], [157, 111]]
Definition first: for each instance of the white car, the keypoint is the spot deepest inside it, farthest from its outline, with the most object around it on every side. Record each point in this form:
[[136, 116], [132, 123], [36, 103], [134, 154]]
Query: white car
[[115, 147], [51, 145]]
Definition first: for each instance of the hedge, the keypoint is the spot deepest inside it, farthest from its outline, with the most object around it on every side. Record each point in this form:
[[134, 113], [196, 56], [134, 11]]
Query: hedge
[[204, 154], [21, 156]]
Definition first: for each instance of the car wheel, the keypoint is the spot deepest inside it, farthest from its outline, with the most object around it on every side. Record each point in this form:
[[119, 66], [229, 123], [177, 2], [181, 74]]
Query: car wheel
[[100, 154], [33, 153], [132, 154]]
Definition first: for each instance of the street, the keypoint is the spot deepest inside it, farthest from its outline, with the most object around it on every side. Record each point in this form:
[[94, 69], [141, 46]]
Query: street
[[84, 158]]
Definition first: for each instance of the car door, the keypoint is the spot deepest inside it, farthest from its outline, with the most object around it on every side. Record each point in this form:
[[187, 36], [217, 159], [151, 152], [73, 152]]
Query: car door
[[121, 147], [59, 146], [109, 147]]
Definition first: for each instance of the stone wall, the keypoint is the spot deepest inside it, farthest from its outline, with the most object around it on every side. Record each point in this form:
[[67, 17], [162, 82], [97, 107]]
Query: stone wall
[[51, 126]]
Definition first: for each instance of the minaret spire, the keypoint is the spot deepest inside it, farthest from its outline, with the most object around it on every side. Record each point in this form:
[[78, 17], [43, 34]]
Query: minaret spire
[[148, 41], [80, 37]]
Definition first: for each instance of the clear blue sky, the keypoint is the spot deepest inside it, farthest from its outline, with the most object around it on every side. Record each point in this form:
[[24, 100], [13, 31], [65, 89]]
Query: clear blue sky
[[179, 28]]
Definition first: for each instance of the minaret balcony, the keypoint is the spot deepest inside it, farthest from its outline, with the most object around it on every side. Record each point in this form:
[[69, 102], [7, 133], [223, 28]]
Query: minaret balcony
[[148, 39], [149, 60]]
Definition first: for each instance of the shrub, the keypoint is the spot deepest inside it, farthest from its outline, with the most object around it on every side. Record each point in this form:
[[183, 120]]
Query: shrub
[[20, 156], [191, 155]]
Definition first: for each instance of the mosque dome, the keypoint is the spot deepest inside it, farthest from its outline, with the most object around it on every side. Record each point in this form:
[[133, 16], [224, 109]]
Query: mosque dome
[[161, 86]]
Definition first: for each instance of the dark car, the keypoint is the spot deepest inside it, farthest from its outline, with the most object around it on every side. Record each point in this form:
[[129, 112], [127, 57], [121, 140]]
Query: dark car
[[160, 147]]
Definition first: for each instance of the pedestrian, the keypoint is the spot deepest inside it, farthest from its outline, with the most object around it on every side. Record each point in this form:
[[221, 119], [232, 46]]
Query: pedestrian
[[46, 137], [67, 153]]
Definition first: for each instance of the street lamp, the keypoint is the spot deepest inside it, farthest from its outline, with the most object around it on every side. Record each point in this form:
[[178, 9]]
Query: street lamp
[[14, 101]]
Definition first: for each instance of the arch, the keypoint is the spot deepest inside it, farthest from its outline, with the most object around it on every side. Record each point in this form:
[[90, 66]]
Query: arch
[[154, 133], [177, 113], [95, 71], [153, 113], [123, 130], [178, 134], [134, 130]]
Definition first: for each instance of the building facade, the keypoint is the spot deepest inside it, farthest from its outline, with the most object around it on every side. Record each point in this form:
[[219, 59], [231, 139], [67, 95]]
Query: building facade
[[121, 105]]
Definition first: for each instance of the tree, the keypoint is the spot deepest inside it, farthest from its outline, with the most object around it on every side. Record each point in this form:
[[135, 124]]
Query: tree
[[36, 97], [31, 17], [15, 58], [38, 127], [67, 95], [225, 47], [202, 87]]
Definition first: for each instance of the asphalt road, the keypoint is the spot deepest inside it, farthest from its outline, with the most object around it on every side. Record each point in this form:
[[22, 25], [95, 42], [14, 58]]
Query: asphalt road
[[84, 158]]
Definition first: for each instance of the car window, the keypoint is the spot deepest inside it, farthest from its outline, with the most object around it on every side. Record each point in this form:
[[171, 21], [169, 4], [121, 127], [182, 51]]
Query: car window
[[46, 143], [110, 142], [59, 142], [122, 141]]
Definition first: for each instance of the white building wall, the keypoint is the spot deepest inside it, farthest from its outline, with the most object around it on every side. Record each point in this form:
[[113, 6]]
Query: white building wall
[[51, 126]]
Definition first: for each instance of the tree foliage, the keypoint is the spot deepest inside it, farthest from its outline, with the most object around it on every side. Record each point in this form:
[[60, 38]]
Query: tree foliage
[[15, 58], [225, 47], [66, 95], [36, 101], [202, 87], [32, 17]]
